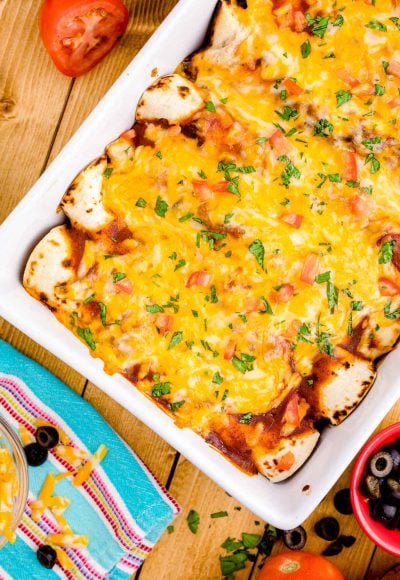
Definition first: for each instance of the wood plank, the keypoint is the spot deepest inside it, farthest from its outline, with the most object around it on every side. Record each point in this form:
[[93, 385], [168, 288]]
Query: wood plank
[[153, 450], [29, 112], [198, 554], [353, 562]]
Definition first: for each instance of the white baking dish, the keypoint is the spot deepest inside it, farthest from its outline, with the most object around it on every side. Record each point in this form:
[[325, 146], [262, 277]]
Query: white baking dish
[[284, 505]]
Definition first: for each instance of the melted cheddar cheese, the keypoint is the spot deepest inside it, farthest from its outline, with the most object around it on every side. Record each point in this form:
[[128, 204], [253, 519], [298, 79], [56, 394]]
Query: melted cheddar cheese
[[261, 233]]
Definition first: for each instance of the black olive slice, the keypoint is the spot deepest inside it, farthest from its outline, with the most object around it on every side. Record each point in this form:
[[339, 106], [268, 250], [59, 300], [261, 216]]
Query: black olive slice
[[342, 501], [395, 454], [381, 464], [35, 454], [295, 539], [47, 436], [372, 486], [327, 528], [333, 549], [382, 512], [47, 556], [346, 541]]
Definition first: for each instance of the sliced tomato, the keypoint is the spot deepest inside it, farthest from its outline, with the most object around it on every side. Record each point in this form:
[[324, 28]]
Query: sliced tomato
[[230, 350], [286, 461], [362, 207], [292, 219], [310, 269], [284, 293], [79, 33], [200, 278], [163, 322], [292, 87], [299, 565], [292, 329], [292, 415], [254, 304], [394, 68], [363, 90], [125, 286], [350, 172], [279, 143], [347, 78], [202, 190], [388, 287]]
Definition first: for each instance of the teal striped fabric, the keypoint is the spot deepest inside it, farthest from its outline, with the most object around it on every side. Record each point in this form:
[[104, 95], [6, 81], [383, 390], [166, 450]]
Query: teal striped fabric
[[120, 507]]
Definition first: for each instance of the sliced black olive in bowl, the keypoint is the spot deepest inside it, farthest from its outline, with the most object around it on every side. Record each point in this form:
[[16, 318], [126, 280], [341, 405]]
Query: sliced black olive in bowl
[[393, 487], [47, 556], [342, 501], [327, 528], [395, 454], [381, 464], [47, 436], [382, 512], [35, 454], [295, 539], [372, 487]]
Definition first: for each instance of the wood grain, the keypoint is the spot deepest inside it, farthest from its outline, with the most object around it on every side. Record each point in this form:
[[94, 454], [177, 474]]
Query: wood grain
[[39, 111]]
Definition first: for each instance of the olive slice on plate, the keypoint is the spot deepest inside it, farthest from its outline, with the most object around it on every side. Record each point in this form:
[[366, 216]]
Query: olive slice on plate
[[327, 528], [35, 454], [47, 436], [47, 556], [381, 464], [342, 501], [295, 539], [346, 541], [333, 549]]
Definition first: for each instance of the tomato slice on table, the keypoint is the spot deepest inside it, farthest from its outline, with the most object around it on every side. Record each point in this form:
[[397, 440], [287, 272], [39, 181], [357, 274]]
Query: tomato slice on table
[[79, 33], [298, 565]]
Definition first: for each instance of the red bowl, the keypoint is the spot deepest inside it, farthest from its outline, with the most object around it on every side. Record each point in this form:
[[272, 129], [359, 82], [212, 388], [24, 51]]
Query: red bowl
[[388, 540]]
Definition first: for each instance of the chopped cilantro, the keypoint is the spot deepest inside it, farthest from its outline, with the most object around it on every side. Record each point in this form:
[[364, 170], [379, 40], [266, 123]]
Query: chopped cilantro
[[323, 128], [322, 278], [392, 315], [86, 334], [186, 217], [177, 405], [217, 379], [159, 154], [180, 264], [118, 276], [318, 25], [386, 252], [107, 172], [193, 521], [89, 298], [261, 140], [244, 362], [160, 389], [141, 202], [232, 563], [305, 49], [332, 294], [369, 143], [216, 515], [209, 105], [290, 171], [375, 164], [154, 308], [343, 97], [288, 113], [376, 25], [258, 251], [176, 339], [379, 90], [161, 207], [395, 21], [339, 21], [201, 174], [250, 540], [246, 418], [268, 309], [356, 305]]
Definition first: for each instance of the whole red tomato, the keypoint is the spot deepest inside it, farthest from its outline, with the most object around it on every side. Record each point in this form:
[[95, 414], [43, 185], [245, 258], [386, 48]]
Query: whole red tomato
[[298, 565], [79, 33]]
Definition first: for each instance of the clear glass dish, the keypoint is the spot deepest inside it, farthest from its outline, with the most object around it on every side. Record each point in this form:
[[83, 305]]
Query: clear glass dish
[[10, 439]]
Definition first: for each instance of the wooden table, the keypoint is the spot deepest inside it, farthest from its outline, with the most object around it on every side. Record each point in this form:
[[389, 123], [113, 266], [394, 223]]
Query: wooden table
[[39, 111]]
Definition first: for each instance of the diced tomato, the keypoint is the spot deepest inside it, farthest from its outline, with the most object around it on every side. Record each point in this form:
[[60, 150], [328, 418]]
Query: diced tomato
[[362, 207], [125, 286], [292, 219], [299, 21], [350, 166], [284, 293], [310, 269], [347, 78], [394, 68], [279, 143], [230, 350], [202, 190], [254, 304], [394, 103], [129, 135], [221, 186], [200, 278], [286, 461], [388, 287], [163, 322], [292, 415], [292, 87]]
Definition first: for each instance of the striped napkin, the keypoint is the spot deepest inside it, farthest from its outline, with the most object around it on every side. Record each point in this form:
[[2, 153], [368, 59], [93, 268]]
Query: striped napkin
[[121, 507]]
